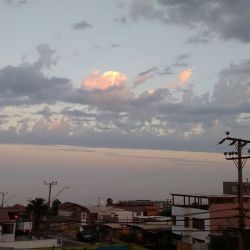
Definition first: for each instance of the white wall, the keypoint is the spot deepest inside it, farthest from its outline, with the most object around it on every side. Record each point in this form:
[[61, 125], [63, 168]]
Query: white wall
[[189, 233], [24, 225], [124, 216], [8, 237]]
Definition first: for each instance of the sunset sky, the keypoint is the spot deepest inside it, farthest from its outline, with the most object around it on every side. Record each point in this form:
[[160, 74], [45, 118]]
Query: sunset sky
[[113, 74]]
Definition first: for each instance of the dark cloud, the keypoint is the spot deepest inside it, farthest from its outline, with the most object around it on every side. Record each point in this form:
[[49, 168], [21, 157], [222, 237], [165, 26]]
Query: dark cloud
[[115, 45], [24, 85], [15, 2], [145, 76], [45, 59], [82, 25], [228, 19], [122, 20], [165, 71], [46, 112], [77, 113], [181, 60]]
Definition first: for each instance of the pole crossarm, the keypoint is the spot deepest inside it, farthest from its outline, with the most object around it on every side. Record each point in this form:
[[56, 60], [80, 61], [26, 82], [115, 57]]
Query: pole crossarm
[[236, 158]]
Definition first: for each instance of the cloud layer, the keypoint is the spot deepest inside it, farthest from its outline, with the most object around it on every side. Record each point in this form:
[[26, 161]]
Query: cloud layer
[[107, 110]]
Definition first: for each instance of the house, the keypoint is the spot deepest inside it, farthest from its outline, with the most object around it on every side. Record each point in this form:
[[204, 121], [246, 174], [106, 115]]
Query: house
[[150, 234], [196, 217], [69, 209], [139, 207], [231, 187], [7, 226]]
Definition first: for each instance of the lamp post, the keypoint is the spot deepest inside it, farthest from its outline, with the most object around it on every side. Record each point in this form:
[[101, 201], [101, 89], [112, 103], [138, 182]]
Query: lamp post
[[59, 192]]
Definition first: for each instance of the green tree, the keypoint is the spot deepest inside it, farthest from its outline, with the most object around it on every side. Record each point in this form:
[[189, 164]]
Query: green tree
[[166, 212], [37, 208], [54, 207]]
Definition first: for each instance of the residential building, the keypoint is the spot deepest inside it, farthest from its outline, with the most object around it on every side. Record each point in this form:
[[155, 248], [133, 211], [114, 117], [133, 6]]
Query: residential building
[[7, 226], [231, 187], [195, 217], [139, 207]]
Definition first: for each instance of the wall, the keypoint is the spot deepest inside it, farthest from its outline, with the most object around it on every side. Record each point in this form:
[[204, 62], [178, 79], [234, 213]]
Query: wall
[[8, 237], [124, 216], [189, 233], [65, 213], [227, 212]]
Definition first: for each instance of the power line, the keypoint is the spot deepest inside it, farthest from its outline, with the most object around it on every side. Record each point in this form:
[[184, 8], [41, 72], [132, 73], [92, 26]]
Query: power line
[[239, 161]]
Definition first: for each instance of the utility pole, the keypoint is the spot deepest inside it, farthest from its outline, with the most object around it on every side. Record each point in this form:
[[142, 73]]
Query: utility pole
[[50, 184], [239, 161], [3, 195]]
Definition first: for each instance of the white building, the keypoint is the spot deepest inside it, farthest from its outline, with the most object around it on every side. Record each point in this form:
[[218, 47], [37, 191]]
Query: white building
[[7, 227]]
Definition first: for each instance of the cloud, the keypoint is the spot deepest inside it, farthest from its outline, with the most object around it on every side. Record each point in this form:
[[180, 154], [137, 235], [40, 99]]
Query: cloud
[[122, 20], [107, 80], [58, 123], [185, 75], [24, 85], [105, 111], [145, 9], [115, 45], [202, 37], [15, 2], [145, 76], [82, 25], [45, 59], [206, 19], [183, 80], [227, 19]]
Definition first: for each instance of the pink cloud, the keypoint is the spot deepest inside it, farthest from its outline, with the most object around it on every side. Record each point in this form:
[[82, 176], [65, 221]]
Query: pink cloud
[[185, 75], [109, 79]]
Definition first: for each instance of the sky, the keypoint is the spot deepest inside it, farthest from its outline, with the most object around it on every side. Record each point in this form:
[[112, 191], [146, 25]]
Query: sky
[[169, 75]]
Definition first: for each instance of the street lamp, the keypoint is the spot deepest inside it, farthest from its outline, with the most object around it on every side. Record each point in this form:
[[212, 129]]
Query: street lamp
[[59, 192]]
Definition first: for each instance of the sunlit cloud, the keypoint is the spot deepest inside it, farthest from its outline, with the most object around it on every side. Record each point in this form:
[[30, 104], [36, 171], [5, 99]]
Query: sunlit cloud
[[58, 123], [183, 79], [185, 75], [107, 80]]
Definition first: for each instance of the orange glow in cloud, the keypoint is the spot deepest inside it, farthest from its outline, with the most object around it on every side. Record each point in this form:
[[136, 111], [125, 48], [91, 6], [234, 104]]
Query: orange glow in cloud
[[185, 75], [57, 123], [104, 81]]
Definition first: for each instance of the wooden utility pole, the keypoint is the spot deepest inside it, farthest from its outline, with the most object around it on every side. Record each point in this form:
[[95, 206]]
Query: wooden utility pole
[[239, 161], [3, 195]]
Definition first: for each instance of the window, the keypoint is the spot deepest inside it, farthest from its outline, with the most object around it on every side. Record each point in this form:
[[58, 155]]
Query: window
[[7, 229], [174, 220], [186, 221], [198, 224]]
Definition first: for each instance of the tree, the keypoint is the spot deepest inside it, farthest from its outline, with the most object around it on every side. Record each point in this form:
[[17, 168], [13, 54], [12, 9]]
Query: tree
[[166, 212], [37, 208], [54, 207], [109, 202]]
